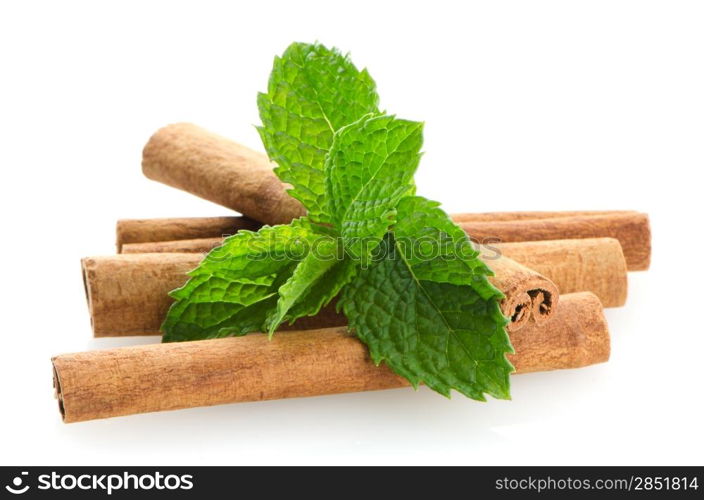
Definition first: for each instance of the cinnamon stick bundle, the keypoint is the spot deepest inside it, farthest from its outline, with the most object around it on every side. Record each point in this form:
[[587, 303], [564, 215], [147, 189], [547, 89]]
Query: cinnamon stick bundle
[[158, 377], [128, 294]]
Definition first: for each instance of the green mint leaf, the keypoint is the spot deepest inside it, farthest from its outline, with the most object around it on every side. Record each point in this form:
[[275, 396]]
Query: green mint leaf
[[314, 283], [313, 91], [431, 326], [261, 253], [211, 307], [437, 249], [369, 169], [235, 288]]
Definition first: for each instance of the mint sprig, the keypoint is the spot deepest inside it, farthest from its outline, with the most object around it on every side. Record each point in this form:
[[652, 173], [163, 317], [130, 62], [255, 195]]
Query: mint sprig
[[408, 279]]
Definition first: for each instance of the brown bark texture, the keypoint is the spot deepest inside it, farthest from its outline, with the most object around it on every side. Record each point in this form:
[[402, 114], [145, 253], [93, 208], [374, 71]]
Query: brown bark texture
[[140, 231], [631, 229], [158, 377], [128, 294], [193, 159]]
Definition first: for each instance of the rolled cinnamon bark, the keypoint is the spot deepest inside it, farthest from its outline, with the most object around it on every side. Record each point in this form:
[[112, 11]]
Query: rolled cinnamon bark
[[590, 264], [128, 294], [515, 216], [528, 294], [200, 245], [190, 158], [130, 231], [576, 336], [158, 377], [632, 229], [593, 264], [134, 231]]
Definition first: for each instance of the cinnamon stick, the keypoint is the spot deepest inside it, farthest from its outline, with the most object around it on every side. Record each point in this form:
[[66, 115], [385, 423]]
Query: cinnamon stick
[[590, 264], [576, 336], [130, 231], [158, 377], [515, 216], [128, 294], [188, 157], [593, 264], [528, 294], [134, 231], [199, 245], [632, 229]]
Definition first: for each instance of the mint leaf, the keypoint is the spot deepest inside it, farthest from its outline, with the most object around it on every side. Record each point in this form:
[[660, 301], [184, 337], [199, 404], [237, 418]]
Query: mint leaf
[[314, 283], [444, 335], [235, 288], [210, 306], [261, 253], [369, 169], [312, 92], [437, 249]]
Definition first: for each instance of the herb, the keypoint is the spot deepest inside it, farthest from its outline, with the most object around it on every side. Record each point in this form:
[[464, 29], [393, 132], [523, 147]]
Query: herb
[[313, 92], [407, 278], [368, 170], [435, 321]]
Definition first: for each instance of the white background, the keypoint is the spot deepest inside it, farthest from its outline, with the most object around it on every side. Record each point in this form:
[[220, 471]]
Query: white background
[[528, 106]]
